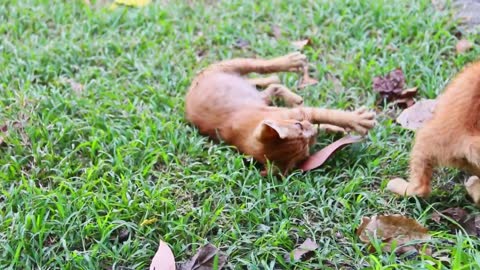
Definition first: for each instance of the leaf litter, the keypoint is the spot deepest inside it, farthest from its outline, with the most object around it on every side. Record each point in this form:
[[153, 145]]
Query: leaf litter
[[470, 223], [407, 234], [303, 251], [392, 89], [306, 80], [417, 115], [206, 258]]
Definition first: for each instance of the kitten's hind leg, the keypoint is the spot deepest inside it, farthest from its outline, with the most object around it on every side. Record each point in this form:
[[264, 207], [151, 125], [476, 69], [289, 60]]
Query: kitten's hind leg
[[290, 62], [421, 170], [277, 90], [471, 151], [264, 82]]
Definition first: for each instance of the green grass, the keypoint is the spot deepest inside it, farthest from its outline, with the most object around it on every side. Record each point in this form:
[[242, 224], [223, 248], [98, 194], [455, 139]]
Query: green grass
[[85, 169]]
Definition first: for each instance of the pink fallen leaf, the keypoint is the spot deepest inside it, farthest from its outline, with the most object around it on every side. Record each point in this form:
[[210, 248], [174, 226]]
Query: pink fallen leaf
[[415, 116], [163, 259], [306, 247], [406, 232], [300, 44], [316, 160], [463, 46]]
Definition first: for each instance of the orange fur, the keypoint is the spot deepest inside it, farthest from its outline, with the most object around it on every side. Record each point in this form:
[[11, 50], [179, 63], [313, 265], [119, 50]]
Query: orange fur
[[451, 138], [221, 103]]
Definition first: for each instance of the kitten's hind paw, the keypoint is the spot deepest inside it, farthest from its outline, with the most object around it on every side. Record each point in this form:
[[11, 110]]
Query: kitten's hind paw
[[473, 189]]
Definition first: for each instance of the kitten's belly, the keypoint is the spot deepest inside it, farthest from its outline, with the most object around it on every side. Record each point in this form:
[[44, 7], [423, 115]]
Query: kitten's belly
[[216, 97]]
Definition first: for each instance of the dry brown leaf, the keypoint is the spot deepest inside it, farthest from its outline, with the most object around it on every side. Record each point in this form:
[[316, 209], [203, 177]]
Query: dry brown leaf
[[463, 46], [316, 160], [204, 259], [276, 31], [306, 79], [415, 116], [395, 228], [469, 223], [163, 259], [302, 251], [300, 44]]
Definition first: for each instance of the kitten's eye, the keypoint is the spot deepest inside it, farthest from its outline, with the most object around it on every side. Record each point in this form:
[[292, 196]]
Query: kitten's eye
[[298, 124]]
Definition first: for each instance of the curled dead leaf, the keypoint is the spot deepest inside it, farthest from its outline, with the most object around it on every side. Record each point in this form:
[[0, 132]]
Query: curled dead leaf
[[300, 44], [306, 79], [391, 89], [276, 31], [468, 222], [241, 43], [204, 259], [163, 259], [415, 116], [302, 251], [406, 232], [463, 46], [316, 160]]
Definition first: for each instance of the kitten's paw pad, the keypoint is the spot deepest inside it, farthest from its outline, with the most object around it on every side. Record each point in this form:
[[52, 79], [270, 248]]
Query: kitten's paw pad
[[473, 188], [398, 186]]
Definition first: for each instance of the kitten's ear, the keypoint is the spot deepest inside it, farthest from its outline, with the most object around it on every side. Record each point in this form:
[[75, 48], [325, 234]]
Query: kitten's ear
[[269, 130]]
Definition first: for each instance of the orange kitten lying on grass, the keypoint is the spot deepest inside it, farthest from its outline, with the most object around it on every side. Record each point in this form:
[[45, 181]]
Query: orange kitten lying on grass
[[222, 103], [450, 138]]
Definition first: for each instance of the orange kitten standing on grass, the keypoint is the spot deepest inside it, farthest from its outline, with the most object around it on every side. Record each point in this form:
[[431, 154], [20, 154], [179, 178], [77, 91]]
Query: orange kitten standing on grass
[[222, 103], [450, 138]]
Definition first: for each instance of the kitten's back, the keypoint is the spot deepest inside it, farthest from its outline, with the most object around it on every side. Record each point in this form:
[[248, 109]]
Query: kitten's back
[[215, 96]]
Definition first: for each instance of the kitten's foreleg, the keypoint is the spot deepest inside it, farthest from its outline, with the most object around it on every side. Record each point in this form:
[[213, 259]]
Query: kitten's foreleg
[[360, 120], [421, 170], [242, 66], [277, 90]]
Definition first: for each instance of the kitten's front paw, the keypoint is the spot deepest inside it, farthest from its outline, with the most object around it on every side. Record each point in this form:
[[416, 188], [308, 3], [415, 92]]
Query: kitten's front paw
[[362, 121], [398, 186], [293, 61], [404, 188], [473, 189]]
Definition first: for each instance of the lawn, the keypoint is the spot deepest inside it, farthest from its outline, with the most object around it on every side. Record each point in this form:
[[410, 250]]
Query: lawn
[[98, 162]]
